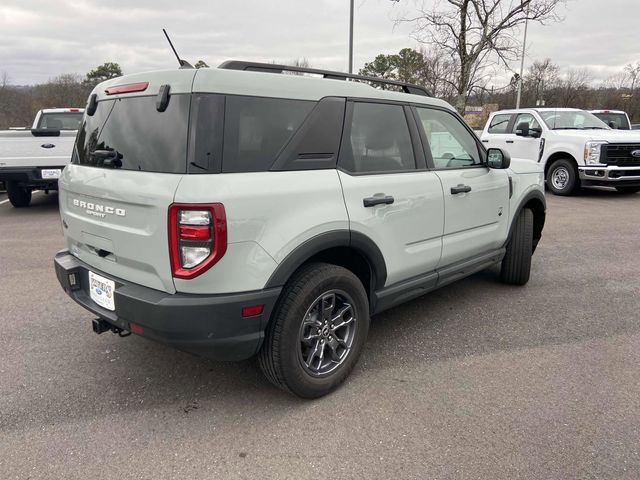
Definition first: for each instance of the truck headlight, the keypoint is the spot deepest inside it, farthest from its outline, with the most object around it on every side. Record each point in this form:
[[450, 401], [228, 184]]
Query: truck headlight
[[592, 152]]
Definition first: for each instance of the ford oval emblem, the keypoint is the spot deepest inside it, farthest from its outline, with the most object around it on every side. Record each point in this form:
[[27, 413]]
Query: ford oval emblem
[[635, 154], [98, 291]]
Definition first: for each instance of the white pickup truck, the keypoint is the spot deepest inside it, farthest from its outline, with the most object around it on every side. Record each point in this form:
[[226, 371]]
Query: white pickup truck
[[33, 158], [575, 148]]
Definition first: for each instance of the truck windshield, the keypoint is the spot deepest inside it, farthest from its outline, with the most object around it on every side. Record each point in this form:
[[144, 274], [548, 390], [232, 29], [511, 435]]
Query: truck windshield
[[61, 121], [572, 120], [614, 120]]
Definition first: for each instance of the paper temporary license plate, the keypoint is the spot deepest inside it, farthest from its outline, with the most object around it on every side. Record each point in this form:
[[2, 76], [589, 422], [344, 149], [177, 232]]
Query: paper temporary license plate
[[51, 173], [102, 291]]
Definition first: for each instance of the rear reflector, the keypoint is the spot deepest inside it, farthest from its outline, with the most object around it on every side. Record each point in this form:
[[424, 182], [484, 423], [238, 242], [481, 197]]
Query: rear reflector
[[137, 329], [252, 311], [74, 109], [129, 88]]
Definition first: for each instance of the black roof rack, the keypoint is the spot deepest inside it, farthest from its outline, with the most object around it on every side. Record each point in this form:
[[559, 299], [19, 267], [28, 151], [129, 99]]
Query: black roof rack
[[274, 68]]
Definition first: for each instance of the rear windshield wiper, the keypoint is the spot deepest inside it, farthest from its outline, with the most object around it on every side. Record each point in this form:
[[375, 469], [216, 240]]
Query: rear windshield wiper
[[109, 158]]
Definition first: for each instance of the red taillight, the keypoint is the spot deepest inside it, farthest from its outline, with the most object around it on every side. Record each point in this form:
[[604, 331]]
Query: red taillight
[[197, 237], [74, 110], [129, 88]]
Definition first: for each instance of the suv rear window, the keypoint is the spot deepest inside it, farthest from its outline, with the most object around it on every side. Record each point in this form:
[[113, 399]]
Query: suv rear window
[[61, 121], [134, 133], [256, 129]]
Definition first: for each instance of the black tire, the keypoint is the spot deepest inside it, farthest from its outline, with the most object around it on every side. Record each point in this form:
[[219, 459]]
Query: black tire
[[516, 264], [562, 177], [628, 190], [282, 355], [18, 196]]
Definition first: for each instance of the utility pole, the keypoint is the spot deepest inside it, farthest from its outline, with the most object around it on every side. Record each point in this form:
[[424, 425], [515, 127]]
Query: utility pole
[[351, 38], [524, 46]]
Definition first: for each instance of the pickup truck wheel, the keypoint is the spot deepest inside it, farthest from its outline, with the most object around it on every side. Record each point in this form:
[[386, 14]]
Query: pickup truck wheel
[[317, 331], [18, 196], [516, 264], [628, 189], [562, 177]]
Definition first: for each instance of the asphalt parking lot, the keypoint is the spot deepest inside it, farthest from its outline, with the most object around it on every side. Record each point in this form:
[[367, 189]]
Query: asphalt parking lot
[[478, 380]]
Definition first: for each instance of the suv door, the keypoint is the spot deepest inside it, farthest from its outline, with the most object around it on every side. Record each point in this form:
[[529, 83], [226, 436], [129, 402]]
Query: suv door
[[527, 148], [390, 195], [476, 198]]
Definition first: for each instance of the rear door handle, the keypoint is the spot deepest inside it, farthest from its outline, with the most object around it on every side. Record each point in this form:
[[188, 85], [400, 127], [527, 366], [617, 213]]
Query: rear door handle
[[460, 189], [378, 200], [509, 141]]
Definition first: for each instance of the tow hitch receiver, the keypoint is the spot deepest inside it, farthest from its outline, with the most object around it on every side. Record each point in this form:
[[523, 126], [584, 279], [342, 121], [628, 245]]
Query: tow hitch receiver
[[100, 326]]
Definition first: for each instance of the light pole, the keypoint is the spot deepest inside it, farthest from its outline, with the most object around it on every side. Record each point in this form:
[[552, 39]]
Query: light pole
[[524, 46], [351, 38]]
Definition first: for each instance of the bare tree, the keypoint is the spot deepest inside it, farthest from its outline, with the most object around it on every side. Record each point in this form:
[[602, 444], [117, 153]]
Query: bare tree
[[476, 34], [573, 87], [633, 72], [541, 77]]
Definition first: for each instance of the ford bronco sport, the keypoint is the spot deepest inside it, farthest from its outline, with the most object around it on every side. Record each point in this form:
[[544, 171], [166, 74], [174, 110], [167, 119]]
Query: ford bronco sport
[[235, 211]]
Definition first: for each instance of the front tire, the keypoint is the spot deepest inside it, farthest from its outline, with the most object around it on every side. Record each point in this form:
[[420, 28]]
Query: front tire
[[18, 196], [562, 177], [317, 332], [628, 190], [516, 264]]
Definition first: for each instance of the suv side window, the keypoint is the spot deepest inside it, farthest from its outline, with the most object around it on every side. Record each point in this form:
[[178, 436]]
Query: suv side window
[[256, 129], [451, 144], [377, 140], [525, 117], [499, 123]]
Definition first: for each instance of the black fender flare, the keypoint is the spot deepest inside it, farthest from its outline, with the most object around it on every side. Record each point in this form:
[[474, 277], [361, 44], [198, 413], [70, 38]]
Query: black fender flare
[[325, 241], [532, 195]]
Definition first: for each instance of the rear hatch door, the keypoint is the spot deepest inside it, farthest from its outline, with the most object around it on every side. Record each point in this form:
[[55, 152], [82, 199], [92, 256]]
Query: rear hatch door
[[114, 197]]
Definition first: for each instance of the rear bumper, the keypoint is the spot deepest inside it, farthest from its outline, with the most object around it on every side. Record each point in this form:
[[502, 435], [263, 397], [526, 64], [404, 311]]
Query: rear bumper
[[208, 325], [30, 177], [609, 176]]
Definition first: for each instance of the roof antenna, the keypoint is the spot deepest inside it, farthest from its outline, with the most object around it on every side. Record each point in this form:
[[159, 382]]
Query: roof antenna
[[183, 63]]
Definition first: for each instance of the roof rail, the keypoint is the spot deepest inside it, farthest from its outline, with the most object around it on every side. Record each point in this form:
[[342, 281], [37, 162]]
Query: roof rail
[[274, 68]]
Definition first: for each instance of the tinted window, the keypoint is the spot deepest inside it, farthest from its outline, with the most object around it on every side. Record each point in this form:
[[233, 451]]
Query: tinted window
[[499, 123], [450, 143], [256, 129], [378, 141], [87, 139], [136, 136], [525, 118], [60, 121]]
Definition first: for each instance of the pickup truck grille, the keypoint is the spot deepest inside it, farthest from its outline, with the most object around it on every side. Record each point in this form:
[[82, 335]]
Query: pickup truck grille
[[620, 154]]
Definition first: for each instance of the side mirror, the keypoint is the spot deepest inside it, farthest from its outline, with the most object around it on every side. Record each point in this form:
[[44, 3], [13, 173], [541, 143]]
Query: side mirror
[[522, 130], [611, 124], [498, 159], [535, 132]]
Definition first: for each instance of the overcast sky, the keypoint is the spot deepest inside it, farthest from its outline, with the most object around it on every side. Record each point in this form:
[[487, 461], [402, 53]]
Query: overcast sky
[[40, 39]]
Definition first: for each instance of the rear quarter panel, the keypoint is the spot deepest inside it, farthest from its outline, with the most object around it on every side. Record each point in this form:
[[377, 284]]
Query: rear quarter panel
[[269, 214]]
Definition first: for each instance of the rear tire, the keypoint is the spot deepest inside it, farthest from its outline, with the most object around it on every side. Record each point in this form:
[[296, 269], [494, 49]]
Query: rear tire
[[628, 190], [516, 264], [18, 196], [317, 331], [562, 177]]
